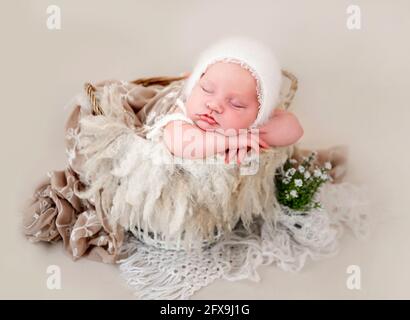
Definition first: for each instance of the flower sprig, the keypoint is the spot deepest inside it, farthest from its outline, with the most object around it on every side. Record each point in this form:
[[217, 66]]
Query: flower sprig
[[297, 183]]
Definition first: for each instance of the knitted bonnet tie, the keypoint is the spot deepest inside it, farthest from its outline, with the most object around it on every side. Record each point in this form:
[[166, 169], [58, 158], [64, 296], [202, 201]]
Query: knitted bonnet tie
[[251, 55]]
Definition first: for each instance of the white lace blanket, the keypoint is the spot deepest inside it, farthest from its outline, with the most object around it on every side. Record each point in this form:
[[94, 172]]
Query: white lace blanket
[[156, 273]]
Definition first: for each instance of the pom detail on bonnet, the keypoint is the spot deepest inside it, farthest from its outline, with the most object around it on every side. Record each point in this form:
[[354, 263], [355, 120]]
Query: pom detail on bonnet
[[251, 55]]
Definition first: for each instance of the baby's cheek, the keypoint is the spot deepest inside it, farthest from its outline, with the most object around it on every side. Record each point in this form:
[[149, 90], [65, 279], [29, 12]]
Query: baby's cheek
[[245, 119], [235, 122], [190, 108], [192, 103]]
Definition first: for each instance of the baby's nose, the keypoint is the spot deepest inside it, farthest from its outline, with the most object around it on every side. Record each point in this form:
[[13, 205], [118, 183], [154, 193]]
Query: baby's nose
[[215, 106]]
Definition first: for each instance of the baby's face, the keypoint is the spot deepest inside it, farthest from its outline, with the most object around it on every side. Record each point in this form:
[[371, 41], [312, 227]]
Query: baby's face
[[226, 92]]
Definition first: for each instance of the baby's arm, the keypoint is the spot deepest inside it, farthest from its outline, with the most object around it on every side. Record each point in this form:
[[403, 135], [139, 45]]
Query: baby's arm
[[185, 140], [283, 129], [188, 141]]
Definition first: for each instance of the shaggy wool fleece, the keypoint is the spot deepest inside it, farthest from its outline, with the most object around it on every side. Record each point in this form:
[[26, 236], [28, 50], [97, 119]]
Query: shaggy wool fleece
[[144, 189]]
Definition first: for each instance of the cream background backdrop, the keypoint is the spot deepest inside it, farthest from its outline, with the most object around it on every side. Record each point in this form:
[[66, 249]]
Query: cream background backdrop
[[354, 89]]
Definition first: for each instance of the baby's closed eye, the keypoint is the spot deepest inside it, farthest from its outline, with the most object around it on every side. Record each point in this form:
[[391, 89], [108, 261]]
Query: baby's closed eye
[[206, 89], [237, 105]]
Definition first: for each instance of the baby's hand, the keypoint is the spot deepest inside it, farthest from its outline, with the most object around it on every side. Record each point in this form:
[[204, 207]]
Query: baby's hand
[[239, 145], [282, 129]]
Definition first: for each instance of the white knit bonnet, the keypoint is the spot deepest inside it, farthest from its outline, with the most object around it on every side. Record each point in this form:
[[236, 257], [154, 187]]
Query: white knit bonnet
[[251, 55]]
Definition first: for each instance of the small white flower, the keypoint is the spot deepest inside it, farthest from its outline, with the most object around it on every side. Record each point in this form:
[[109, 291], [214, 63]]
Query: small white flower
[[307, 175], [324, 176], [292, 161], [285, 181], [328, 165], [301, 169], [294, 194], [298, 182], [317, 173], [291, 172]]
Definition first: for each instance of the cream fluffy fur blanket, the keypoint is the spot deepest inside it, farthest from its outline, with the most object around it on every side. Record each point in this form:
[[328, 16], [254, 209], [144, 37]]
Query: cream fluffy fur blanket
[[141, 186]]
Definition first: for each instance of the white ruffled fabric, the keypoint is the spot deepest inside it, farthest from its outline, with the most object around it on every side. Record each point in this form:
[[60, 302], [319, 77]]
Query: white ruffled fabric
[[157, 273], [155, 132]]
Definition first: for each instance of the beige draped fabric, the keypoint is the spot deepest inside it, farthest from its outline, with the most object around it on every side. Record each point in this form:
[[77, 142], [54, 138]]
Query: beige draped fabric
[[57, 213]]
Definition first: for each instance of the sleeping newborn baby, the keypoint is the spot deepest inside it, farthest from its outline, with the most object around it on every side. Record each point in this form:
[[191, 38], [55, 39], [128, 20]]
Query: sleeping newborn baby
[[228, 105]]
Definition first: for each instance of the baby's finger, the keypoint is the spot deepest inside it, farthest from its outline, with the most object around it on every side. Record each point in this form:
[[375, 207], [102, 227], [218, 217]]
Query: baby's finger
[[241, 155], [255, 141], [231, 153], [228, 156], [255, 150], [263, 144], [234, 155]]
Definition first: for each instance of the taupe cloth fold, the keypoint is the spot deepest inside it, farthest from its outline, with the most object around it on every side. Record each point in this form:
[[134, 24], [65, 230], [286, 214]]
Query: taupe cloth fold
[[57, 213]]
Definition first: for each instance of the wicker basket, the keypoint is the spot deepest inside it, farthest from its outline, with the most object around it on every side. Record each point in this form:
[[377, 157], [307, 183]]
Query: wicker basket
[[164, 81]]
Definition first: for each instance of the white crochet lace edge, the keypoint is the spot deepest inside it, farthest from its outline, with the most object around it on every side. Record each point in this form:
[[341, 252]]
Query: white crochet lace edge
[[156, 273]]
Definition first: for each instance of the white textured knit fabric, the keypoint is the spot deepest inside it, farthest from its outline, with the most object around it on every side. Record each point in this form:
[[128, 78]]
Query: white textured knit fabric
[[156, 273]]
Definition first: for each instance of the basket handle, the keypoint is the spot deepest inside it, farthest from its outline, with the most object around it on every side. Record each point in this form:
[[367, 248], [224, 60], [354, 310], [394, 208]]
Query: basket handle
[[164, 81], [287, 100]]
